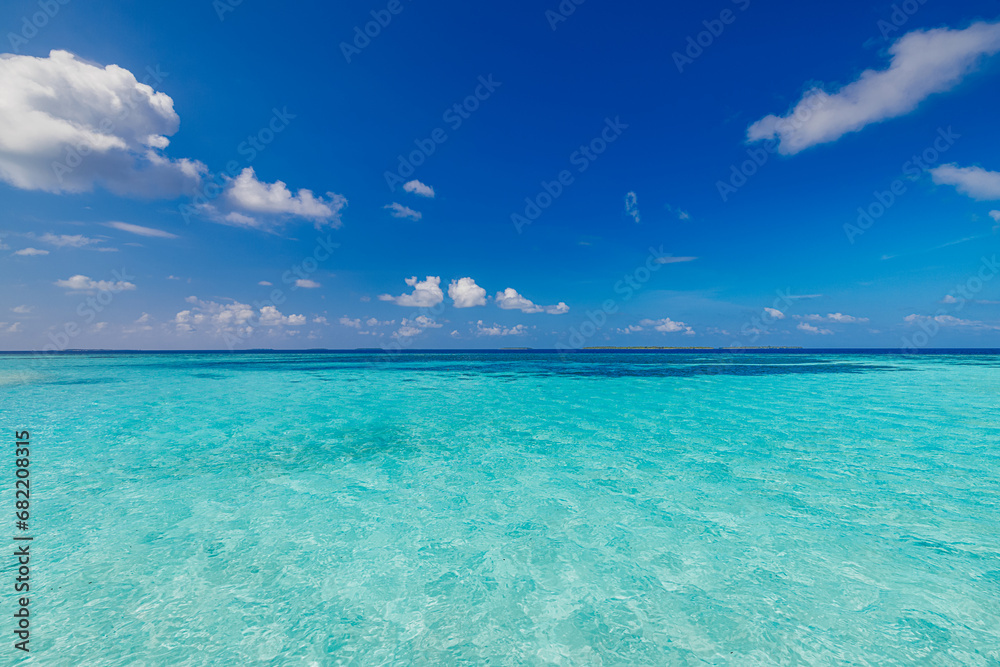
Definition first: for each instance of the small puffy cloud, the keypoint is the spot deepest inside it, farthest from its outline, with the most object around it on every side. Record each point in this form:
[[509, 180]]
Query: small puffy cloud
[[22, 310], [31, 252], [248, 197], [923, 62], [630, 329], [410, 328], [810, 329], [667, 325], [975, 182], [417, 188], [400, 211], [996, 216], [499, 330], [373, 322], [845, 319], [263, 283], [319, 319], [67, 125], [305, 283], [348, 322], [143, 319], [670, 259], [509, 299], [140, 230], [466, 293], [632, 206], [949, 299], [231, 319], [10, 328], [80, 283], [270, 316], [775, 313], [426, 293]]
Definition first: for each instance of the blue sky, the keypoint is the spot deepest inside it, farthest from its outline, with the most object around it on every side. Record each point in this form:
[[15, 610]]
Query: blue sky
[[230, 145]]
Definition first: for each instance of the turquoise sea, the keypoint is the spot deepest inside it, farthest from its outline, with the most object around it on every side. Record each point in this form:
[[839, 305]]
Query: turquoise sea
[[508, 509]]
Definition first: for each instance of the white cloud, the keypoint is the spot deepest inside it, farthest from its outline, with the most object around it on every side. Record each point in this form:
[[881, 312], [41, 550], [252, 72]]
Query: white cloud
[[975, 182], [775, 313], [409, 328], [808, 328], [64, 241], [674, 260], [348, 322], [632, 206], [845, 319], [630, 329], [263, 283], [667, 325], [13, 328], [466, 293], [833, 317], [509, 299], [426, 293], [140, 230], [417, 188], [949, 299], [83, 283], [922, 63], [22, 310], [305, 283], [372, 322], [996, 218], [230, 319], [947, 321], [143, 319], [67, 125], [499, 330], [400, 211], [270, 316], [249, 195], [319, 319], [31, 252]]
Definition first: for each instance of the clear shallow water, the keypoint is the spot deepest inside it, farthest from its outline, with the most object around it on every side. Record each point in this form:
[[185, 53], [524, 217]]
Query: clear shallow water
[[510, 509]]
